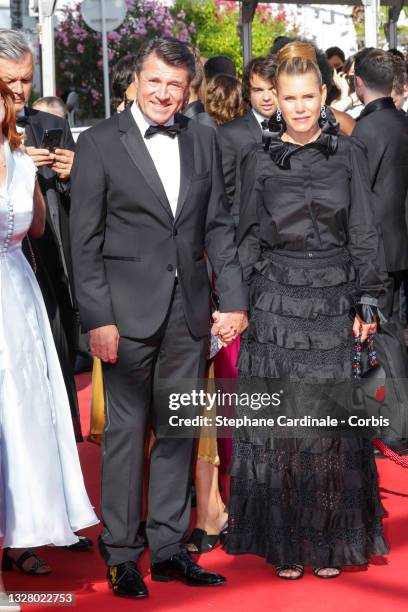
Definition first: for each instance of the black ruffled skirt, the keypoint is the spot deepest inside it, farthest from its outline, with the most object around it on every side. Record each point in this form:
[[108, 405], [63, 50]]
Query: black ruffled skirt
[[309, 500]]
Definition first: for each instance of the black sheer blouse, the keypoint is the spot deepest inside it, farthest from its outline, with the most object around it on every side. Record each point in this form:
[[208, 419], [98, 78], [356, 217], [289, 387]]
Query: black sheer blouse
[[310, 198]]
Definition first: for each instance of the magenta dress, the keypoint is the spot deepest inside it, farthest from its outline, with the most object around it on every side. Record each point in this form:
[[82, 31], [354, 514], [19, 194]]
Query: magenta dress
[[225, 367]]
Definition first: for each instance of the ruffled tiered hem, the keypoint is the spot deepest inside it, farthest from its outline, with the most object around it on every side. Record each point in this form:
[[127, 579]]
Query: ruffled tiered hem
[[305, 546], [313, 502]]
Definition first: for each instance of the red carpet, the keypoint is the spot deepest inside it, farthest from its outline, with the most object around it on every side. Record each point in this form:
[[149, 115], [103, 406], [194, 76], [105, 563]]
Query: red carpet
[[251, 582]]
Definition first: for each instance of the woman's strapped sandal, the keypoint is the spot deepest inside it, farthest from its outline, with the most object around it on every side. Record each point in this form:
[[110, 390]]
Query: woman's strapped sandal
[[32, 570], [317, 572], [201, 542], [279, 569]]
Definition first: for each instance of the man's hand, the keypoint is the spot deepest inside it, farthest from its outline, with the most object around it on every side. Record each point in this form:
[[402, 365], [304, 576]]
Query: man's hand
[[229, 325], [41, 157], [64, 158], [104, 342]]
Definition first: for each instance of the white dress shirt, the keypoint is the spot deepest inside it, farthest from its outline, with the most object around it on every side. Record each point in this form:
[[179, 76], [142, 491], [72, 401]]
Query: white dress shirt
[[19, 129], [165, 154]]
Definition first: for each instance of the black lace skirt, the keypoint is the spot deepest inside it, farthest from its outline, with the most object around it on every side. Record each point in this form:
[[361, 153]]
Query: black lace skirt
[[309, 500]]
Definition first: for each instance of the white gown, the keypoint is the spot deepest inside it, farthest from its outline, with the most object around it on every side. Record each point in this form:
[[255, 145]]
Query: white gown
[[43, 497]]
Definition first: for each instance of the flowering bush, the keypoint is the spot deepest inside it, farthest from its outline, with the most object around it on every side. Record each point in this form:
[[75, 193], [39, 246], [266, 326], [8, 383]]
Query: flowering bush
[[216, 27], [211, 25], [78, 49]]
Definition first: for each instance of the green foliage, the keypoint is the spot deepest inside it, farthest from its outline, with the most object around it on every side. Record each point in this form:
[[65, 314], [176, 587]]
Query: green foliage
[[217, 27], [402, 30]]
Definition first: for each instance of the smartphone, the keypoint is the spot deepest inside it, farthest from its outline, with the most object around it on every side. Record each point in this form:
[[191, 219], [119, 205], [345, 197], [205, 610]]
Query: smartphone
[[51, 139]]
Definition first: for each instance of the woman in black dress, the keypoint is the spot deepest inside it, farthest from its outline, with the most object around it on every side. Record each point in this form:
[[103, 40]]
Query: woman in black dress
[[308, 246]]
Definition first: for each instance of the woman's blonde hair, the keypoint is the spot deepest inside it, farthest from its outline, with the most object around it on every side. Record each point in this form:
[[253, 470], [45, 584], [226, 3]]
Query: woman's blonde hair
[[224, 100], [297, 58]]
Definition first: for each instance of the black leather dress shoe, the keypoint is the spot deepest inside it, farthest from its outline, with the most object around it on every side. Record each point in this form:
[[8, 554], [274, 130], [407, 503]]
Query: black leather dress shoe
[[83, 544], [182, 567], [126, 581]]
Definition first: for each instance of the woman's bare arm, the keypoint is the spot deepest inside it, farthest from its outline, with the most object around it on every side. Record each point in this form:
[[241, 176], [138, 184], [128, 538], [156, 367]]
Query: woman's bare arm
[[347, 123], [38, 223]]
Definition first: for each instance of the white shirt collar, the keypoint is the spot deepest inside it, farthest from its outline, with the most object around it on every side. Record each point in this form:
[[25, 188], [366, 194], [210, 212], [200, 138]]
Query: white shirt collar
[[259, 117], [143, 122]]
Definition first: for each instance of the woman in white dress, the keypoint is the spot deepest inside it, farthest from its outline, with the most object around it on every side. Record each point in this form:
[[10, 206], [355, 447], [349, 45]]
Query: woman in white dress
[[42, 493]]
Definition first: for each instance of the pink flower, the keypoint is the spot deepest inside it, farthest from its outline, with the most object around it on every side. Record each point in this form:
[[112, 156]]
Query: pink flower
[[114, 36], [80, 48]]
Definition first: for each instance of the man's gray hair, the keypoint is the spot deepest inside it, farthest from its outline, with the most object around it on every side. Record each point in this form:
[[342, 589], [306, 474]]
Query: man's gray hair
[[51, 103], [14, 44]]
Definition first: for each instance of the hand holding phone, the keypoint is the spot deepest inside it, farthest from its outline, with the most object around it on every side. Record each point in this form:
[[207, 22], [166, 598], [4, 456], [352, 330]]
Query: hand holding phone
[[40, 157], [51, 139]]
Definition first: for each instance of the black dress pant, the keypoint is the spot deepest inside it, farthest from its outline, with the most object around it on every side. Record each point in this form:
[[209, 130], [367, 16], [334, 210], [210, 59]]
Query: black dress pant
[[172, 353]]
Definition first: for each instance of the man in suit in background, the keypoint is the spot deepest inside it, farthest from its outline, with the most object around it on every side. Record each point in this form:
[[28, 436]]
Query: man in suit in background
[[148, 202], [237, 136], [384, 131], [51, 252]]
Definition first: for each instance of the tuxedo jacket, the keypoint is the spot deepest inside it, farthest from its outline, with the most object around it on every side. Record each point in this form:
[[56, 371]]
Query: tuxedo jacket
[[126, 243], [55, 245], [196, 110], [52, 254], [235, 138], [384, 131]]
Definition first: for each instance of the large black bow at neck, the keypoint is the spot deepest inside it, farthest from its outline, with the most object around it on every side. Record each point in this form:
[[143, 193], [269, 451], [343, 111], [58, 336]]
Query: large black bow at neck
[[281, 151], [169, 130]]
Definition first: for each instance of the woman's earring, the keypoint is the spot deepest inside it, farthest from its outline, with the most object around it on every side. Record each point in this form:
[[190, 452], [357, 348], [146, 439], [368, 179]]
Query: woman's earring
[[279, 116], [323, 113]]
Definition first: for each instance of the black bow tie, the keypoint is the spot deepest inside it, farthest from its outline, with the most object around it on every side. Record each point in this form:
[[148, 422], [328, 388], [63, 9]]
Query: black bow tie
[[169, 130], [21, 121], [265, 124]]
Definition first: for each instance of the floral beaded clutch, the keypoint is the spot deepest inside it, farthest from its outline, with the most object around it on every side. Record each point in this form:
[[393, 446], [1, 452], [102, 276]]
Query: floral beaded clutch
[[374, 370]]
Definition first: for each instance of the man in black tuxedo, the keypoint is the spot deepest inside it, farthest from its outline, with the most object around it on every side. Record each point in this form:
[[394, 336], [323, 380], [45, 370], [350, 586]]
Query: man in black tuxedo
[[148, 202], [384, 131], [237, 136]]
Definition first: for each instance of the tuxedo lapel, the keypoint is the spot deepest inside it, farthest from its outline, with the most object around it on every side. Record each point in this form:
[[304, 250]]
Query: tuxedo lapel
[[33, 130], [186, 148], [133, 142]]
